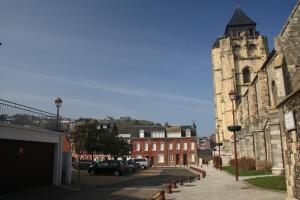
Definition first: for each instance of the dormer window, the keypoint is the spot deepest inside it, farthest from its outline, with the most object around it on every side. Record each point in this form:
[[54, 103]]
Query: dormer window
[[142, 133], [188, 132]]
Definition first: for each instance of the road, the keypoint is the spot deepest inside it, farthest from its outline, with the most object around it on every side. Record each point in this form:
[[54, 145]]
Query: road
[[141, 185]]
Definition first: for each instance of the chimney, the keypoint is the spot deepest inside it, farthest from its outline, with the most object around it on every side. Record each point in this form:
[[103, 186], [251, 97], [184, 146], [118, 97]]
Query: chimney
[[166, 124], [194, 125]]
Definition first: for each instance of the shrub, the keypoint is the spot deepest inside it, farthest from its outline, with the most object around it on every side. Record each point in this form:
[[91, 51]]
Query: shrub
[[244, 163], [247, 163], [217, 160], [232, 163], [263, 165]]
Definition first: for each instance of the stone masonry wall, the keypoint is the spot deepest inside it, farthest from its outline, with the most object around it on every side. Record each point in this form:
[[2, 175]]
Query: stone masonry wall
[[262, 93], [292, 148], [288, 43]]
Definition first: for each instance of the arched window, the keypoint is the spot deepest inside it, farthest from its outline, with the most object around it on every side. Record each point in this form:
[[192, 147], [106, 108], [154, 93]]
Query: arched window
[[251, 50], [246, 74], [236, 50], [274, 92]]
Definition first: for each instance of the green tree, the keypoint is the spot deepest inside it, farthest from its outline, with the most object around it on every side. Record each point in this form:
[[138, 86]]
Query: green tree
[[88, 138]]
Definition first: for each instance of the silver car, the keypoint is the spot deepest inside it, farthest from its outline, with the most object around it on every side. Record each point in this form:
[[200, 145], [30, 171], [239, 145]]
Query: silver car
[[143, 162]]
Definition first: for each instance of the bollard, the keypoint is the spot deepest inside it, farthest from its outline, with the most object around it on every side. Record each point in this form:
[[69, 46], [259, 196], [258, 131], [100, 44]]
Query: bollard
[[169, 190], [198, 176], [162, 195], [174, 184], [181, 181], [203, 174]]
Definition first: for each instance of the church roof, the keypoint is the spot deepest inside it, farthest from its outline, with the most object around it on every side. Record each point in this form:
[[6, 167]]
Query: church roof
[[240, 18]]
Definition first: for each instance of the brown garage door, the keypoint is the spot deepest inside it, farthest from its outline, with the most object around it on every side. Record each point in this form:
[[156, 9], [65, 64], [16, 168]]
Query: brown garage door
[[25, 165]]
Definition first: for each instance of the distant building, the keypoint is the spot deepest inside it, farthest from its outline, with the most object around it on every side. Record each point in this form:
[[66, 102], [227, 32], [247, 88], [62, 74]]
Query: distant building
[[165, 145], [204, 143], [205, 149]]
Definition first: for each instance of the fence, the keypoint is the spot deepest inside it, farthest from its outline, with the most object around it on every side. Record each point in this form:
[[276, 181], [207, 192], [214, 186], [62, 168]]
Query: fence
[[17, 114]]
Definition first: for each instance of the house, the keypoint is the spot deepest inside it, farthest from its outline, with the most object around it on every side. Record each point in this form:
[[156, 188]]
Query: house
[[165, 145]]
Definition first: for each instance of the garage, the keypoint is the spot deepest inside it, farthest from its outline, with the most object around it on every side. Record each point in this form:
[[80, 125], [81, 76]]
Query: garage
[[25, 164]]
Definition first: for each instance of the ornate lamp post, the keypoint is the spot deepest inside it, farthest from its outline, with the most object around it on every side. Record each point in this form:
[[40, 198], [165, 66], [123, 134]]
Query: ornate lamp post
[[233, 129], [58, 102]]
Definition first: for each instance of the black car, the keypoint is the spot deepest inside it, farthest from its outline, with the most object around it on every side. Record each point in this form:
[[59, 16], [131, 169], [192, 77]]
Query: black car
[[115, 167], [84, 164]]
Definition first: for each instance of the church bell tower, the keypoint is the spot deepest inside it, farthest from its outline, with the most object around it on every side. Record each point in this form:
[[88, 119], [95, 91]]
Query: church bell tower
[[236, 57]]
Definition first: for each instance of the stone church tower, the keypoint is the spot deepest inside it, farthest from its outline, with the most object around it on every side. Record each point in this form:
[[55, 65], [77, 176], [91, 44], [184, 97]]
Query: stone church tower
[[236, 58]]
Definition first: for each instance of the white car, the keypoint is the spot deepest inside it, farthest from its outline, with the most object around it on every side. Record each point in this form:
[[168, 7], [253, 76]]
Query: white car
[[143, 162]]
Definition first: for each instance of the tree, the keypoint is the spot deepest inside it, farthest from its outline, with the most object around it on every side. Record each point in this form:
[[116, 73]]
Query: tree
[[88, 138]]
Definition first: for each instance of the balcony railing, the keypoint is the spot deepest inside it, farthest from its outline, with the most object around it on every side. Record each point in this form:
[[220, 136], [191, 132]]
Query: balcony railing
[[17, 114]]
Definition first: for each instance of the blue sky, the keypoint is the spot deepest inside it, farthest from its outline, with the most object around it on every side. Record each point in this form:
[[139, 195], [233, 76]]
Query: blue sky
[[148, 59]]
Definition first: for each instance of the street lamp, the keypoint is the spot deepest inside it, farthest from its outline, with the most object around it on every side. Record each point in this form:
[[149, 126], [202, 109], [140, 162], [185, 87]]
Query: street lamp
[[232, 95], [58, 103]]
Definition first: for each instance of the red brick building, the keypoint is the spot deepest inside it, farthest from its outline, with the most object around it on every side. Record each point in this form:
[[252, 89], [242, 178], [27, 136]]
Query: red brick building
[[165, 146]]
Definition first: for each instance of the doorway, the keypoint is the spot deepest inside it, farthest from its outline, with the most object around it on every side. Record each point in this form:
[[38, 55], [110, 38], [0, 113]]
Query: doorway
[[177, 159], [185, 159]]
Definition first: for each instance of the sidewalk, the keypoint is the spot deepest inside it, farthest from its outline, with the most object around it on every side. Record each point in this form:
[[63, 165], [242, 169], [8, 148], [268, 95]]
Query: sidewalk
[[220, 185]]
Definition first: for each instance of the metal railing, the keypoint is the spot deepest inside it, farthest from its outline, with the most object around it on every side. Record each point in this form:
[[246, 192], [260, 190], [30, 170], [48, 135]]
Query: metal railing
[[18, 114]]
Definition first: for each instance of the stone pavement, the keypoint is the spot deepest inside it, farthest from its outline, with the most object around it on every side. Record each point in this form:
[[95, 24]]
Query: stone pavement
[[219, 185]]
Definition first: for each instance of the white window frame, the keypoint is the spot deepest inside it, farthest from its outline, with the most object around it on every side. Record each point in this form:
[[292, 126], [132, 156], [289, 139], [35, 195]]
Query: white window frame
[[170, 158], [161, 146], [160, 158], [137, 146], [192, 157], [185, 146], [170, 146], [146, 147], [154, 147], [178, 146], [192, 145]]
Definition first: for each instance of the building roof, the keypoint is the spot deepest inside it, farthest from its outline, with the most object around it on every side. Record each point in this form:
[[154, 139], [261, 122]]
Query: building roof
[[173, 129], [147, 130], [240, 18], [193, 131]]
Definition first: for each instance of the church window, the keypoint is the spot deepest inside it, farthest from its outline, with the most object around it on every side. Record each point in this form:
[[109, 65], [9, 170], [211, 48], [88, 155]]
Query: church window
[[237, 50], [274, 92], [251, 49], [234, 33], [251, 32], [246, 75]]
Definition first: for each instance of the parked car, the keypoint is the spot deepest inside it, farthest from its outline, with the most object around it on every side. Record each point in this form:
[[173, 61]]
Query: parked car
[[132, 165], [143, 162], [126, 165], [115, 167], [84, 164]]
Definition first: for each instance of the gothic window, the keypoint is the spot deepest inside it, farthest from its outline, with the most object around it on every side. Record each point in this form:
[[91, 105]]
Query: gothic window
[[274, 92], [251, 49], [234, 33], [251, 32], [237, 50], [246, 75]]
